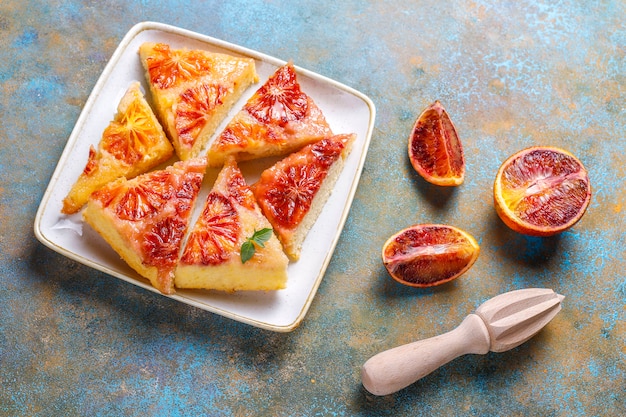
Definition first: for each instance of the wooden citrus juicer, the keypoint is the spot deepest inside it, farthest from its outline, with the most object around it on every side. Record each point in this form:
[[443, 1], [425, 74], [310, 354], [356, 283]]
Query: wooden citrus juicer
[[499, 324]]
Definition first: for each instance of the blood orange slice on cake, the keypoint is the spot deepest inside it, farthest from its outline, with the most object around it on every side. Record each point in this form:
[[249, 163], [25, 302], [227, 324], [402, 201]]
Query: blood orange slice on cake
[[293, 191]]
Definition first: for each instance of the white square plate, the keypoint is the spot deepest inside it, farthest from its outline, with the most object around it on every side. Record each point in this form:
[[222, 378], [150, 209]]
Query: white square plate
[[346, 110]]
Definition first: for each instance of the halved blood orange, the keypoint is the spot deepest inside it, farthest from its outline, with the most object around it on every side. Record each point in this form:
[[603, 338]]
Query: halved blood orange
[[435, 149], [541, 191], [425, 255]]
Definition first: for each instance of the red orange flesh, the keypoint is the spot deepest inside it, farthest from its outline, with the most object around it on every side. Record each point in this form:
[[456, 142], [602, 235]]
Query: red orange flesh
[[541, 191], [425, 255], [435, 150]]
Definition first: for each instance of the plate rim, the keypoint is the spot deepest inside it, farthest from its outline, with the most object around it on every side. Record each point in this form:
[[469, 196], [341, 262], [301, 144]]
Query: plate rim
[[86, 110]]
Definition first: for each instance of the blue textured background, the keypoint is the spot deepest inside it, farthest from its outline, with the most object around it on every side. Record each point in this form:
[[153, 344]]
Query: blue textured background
[[511, 74]]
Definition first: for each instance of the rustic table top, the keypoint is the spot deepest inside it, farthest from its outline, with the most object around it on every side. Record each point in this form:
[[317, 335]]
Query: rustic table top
[[74, 341]]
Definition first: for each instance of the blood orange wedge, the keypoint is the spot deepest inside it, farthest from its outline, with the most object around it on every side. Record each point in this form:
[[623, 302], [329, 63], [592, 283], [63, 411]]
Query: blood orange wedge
[[435, 150], [425, 255], [541, 191]]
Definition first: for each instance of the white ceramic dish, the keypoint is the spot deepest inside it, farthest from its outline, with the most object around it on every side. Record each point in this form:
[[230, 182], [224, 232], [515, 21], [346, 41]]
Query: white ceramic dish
[[346, 110]]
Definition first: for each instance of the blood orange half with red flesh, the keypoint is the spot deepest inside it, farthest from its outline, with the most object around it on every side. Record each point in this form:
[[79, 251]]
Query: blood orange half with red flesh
[[435, 150], [425, 255], [541, 191]]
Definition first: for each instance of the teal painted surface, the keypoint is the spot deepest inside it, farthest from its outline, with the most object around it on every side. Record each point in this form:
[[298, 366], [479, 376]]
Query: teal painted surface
[[511, 74]]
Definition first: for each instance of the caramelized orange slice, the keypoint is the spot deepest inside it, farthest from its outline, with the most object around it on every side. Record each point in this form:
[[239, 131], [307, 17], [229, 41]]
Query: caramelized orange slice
[[195, 109], [216, 234], [280, 100], [169, 67]]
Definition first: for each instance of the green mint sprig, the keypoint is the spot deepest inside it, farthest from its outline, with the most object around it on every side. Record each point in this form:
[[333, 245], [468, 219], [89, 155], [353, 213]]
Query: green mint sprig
[[258, 238]]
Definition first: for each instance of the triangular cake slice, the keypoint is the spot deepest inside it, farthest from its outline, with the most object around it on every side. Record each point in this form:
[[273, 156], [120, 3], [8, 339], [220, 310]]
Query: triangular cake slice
[[193, 90], [293, 191], [145, 219], [278, 119], [131, 144], [212, 258]]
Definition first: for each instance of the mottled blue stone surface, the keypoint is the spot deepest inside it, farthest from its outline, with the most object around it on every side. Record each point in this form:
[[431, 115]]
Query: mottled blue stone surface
[[510, 73]]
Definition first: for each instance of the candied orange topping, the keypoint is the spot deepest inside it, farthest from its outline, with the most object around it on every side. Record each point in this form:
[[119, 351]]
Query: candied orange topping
[[168, 68], [280, 99], [195, 108], [162, 242], [106, 195], [145, 198], [92, 164], [238, 189], [218, 234], [128, 138], [243, 134], [289, 191]]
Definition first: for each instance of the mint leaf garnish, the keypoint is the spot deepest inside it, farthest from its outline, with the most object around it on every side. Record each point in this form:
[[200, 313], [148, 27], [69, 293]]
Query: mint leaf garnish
[[258, 238], [247, 251]]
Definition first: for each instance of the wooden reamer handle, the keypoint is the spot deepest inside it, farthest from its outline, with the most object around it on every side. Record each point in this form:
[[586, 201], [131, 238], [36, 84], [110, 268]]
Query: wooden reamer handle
[[397, 368]]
